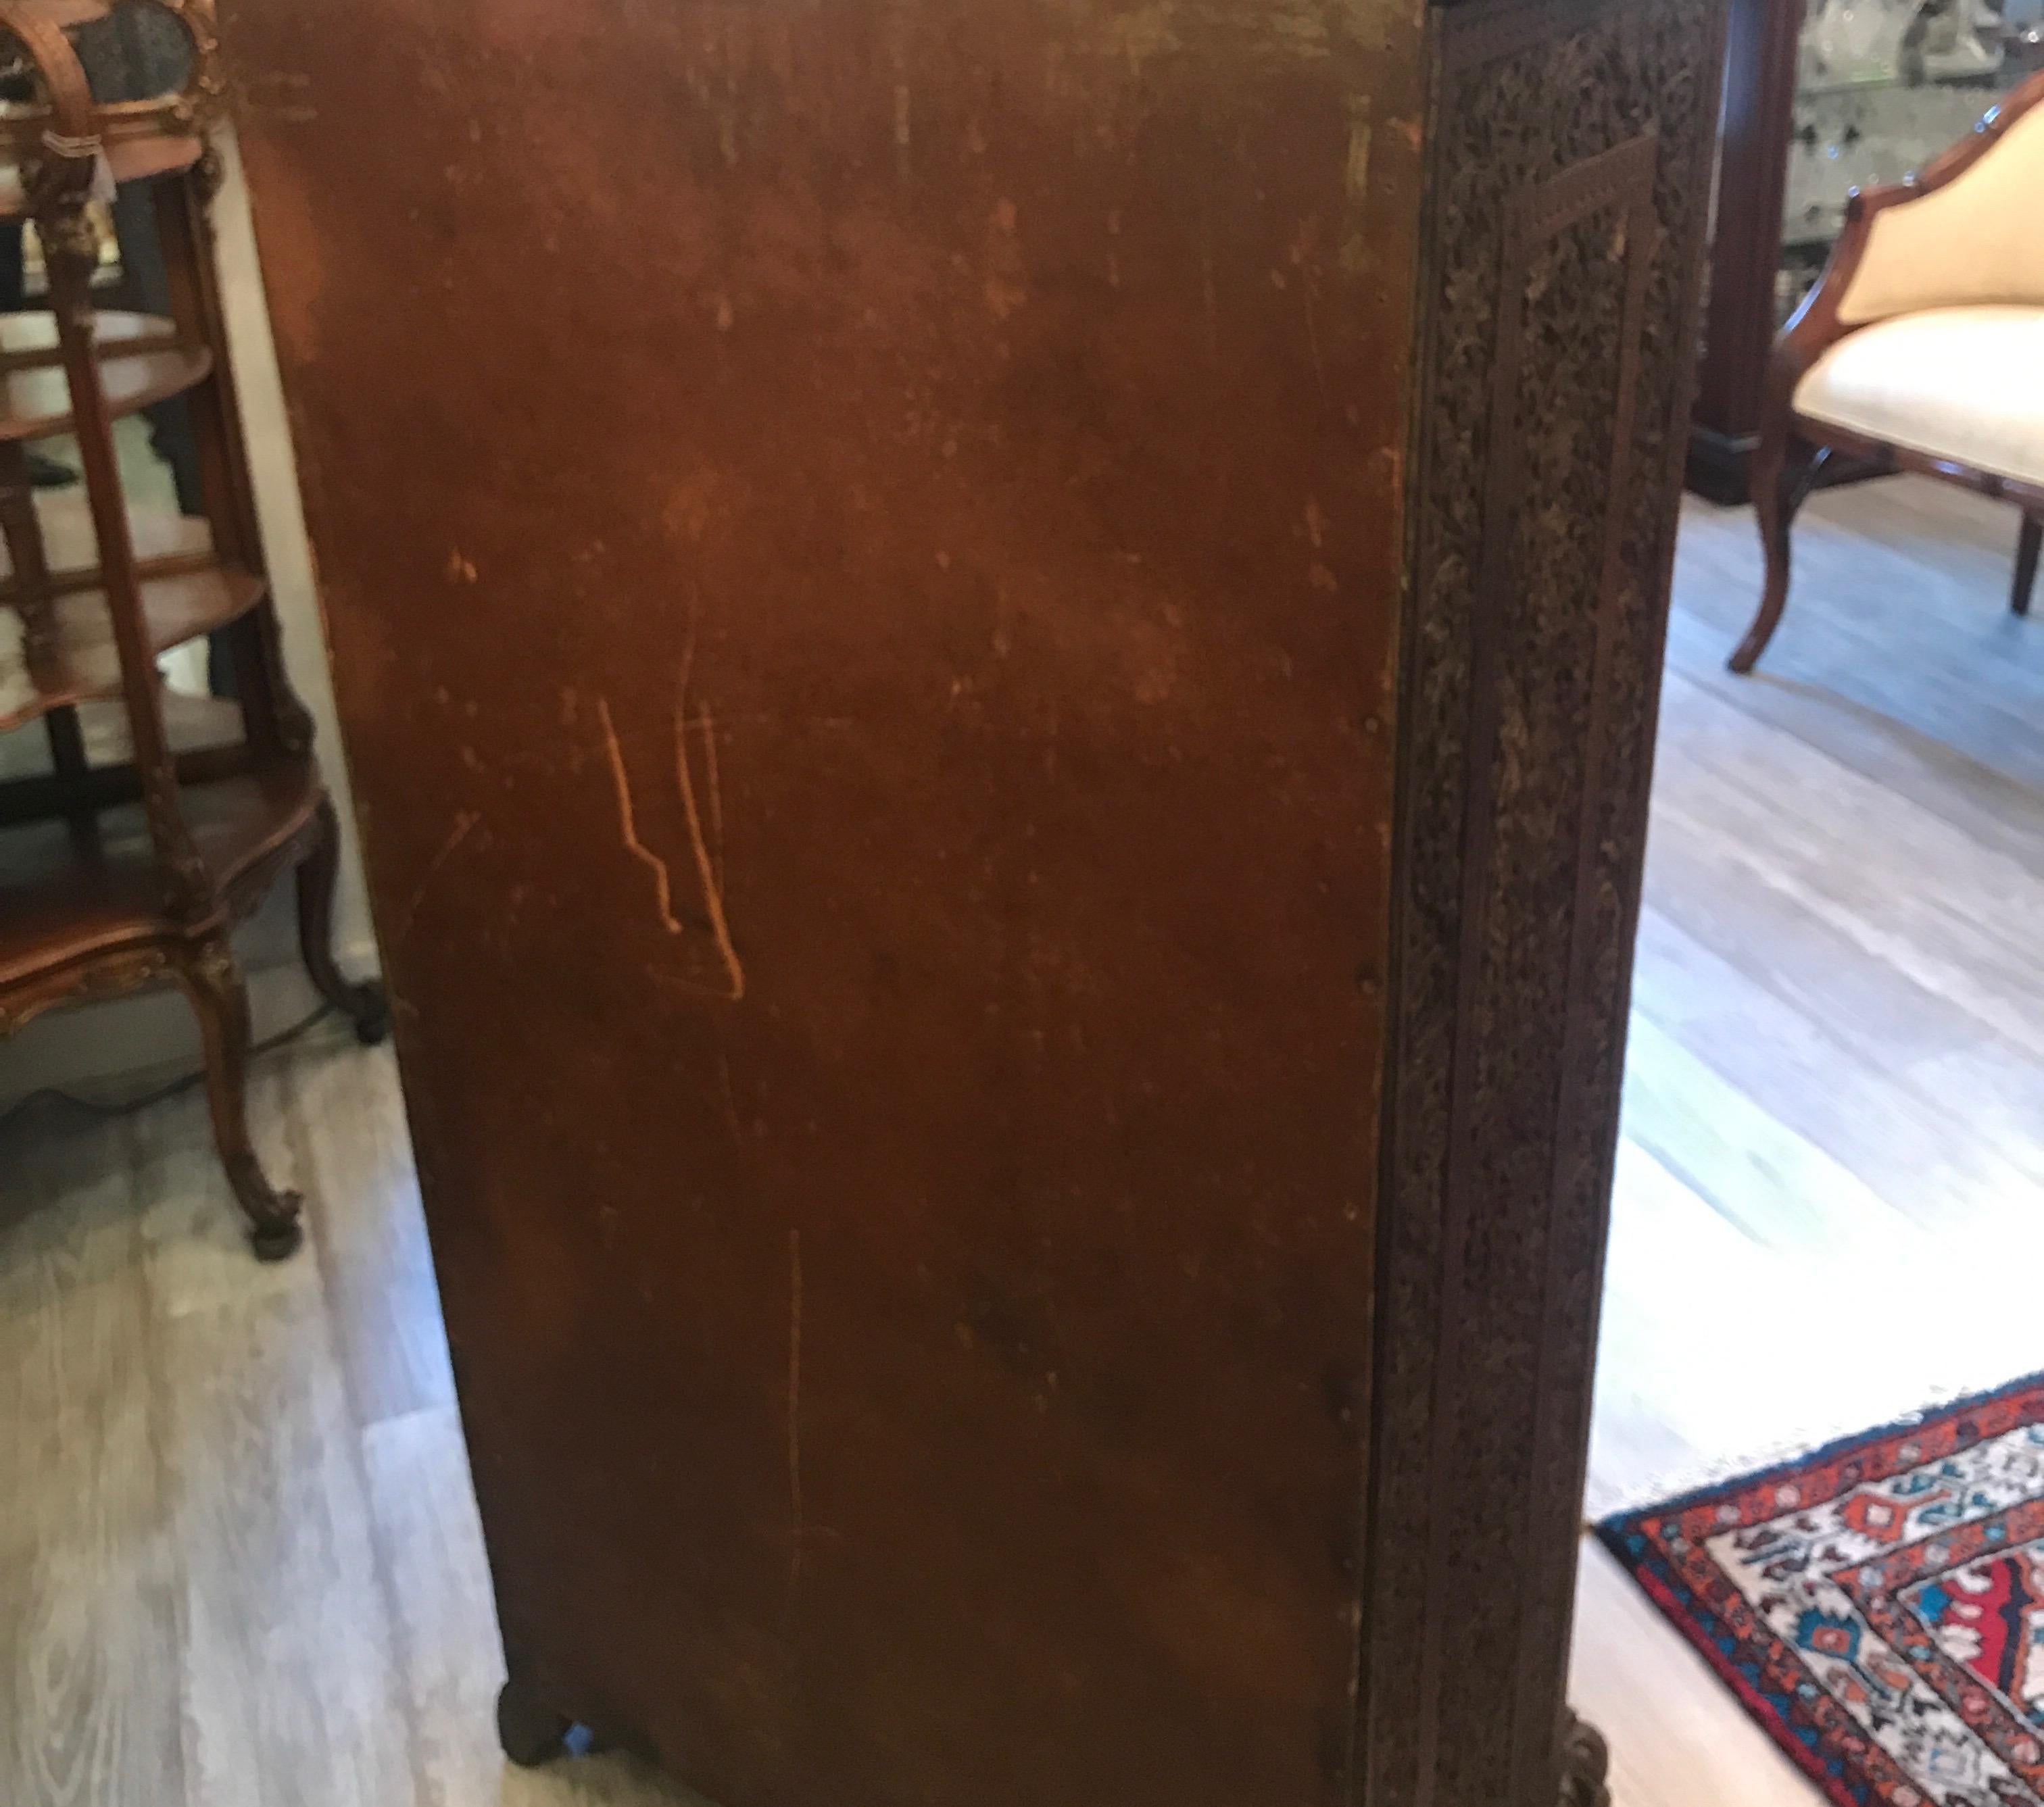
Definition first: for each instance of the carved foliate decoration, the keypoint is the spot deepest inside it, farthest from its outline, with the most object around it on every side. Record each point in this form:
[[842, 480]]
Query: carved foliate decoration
[[212, 177], [69, 237], [191, 894], [211, 965], [109, 976], [1568, 146], [254, 883], [204, 91]]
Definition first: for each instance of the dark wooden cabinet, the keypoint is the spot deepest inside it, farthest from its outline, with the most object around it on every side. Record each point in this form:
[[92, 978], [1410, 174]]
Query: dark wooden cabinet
[[1745, 252], [1001, 663]]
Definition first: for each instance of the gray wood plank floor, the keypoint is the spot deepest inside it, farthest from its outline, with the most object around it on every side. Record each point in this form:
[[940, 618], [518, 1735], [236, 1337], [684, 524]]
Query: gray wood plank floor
[[1829, 1202], [239, 1557]]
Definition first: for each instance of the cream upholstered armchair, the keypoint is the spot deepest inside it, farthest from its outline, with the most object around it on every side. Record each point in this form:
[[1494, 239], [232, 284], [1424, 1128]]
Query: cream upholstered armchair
[[1922, 345]]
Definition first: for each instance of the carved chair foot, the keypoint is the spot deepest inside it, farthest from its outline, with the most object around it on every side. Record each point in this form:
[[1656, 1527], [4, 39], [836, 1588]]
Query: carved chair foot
[[1586, 1766], [370, 1012], [365, 1006], [531, 1733], [213, 982], [275, 1229], [277, 1242]]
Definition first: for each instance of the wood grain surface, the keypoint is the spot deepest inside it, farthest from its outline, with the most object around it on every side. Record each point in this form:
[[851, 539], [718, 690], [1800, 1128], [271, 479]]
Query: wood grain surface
[[867, 550], [195, 1585], [862, 569]]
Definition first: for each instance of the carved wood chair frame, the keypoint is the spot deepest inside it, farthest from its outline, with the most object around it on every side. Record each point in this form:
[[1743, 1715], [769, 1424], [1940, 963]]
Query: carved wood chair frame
[[1794, 448]]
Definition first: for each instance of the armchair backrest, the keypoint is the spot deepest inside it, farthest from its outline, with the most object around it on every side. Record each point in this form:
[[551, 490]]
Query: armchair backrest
[[1969, 231]]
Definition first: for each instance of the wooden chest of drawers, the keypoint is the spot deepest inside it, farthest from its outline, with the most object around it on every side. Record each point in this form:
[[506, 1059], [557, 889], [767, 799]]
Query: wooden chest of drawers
[[1000, 662]]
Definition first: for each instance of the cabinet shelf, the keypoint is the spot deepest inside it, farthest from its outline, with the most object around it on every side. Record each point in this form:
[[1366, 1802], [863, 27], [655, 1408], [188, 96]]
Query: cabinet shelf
[[138, 159], [63, 901], [175, 608], [186, 594], [141, 360], [190, 723]]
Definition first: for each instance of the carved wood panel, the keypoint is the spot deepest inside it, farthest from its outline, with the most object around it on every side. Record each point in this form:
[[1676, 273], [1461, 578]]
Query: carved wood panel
[[1568, 181]]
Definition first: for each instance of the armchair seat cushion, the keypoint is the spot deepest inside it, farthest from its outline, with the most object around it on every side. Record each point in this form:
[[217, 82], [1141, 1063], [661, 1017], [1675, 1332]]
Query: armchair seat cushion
[[1962, 385]]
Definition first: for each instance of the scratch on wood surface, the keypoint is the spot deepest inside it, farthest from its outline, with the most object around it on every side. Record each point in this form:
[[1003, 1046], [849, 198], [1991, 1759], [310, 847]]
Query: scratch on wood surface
[[663, 885], [1309, 284], [716, 797], [464, 826], [688, 651], [713, 886], [784, 720], [263, 94], [795, 1405]]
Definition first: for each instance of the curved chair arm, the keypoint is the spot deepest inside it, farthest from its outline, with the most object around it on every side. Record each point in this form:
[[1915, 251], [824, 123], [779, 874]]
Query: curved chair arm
[[1962, 232]]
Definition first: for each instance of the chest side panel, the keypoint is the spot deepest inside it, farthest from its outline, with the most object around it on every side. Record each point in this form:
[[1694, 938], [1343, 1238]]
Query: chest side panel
[[862, 548]]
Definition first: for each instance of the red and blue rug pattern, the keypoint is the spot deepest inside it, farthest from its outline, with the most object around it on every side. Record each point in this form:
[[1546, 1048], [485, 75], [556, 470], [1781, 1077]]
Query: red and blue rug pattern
[[1878, 1605]]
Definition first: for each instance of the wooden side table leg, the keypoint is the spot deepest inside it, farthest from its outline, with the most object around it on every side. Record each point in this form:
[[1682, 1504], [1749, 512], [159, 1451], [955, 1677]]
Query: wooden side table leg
[[363, 1005], [213, 981], [23, 531], [293, 719], [70, 255], [2028, 546]]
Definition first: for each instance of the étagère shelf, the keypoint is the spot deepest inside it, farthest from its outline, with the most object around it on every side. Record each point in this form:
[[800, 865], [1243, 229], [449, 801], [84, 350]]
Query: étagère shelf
[[155, 821]]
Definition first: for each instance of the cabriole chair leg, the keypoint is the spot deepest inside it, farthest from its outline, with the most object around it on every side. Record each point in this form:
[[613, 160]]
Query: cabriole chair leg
[[1783, 474], [213, 981]]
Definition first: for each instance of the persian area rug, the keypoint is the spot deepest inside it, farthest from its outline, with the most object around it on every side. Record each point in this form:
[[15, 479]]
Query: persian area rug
[[1878, 1606]]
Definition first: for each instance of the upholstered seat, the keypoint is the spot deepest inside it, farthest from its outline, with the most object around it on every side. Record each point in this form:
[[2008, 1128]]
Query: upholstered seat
[[1963, 386]]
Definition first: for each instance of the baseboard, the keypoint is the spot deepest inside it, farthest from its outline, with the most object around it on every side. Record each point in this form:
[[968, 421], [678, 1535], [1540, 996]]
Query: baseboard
[[1718, 464], [1721, 466], [127, 1044]]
